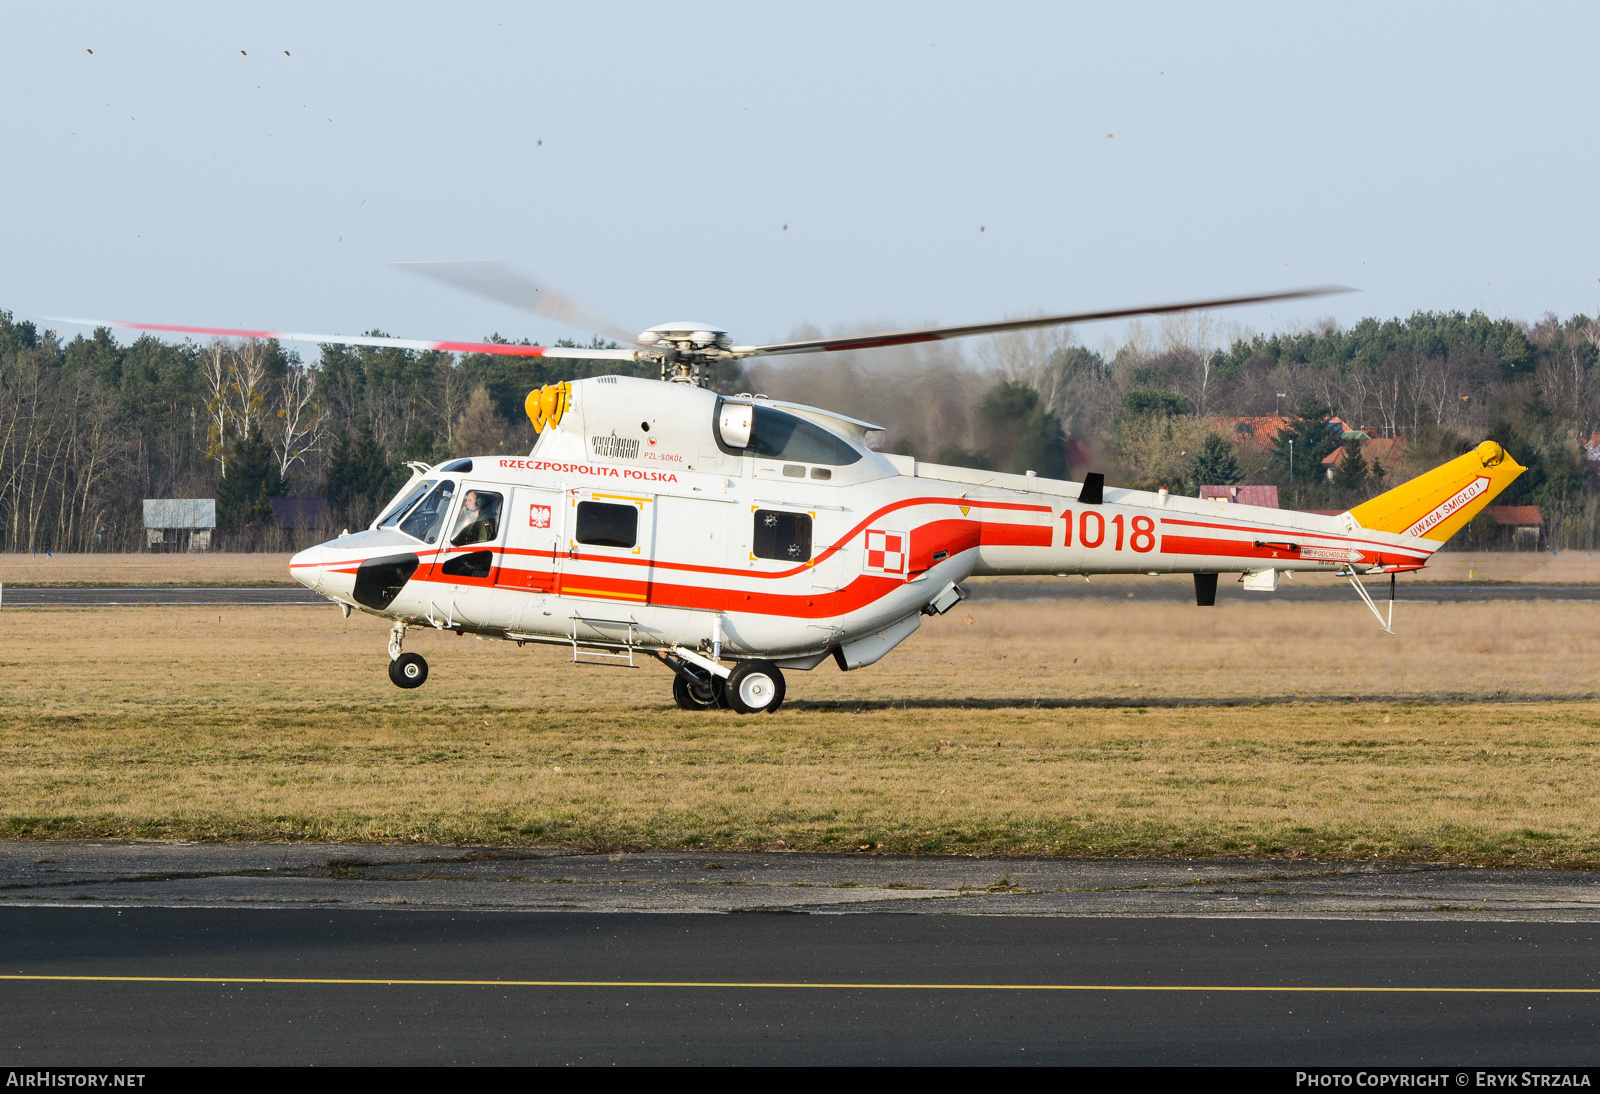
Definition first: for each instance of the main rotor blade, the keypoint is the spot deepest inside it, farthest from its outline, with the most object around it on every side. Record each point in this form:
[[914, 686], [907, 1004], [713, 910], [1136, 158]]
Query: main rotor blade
[[362, 340], [938, 334], [497, 281]]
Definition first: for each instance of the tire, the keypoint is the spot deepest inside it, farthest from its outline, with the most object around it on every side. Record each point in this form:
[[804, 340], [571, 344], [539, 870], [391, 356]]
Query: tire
[[408, 670], [691, 696], [755, 687]]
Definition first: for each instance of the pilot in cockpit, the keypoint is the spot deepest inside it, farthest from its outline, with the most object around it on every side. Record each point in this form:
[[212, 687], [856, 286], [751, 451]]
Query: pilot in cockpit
[[479, 520]]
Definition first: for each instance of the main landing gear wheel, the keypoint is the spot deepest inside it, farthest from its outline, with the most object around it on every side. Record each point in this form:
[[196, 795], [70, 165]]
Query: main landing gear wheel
[[692, 695], [408, 670], [755, 687]]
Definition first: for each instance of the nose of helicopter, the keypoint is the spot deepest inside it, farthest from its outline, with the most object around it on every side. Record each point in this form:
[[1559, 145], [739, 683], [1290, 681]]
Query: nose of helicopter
[[306, 567]]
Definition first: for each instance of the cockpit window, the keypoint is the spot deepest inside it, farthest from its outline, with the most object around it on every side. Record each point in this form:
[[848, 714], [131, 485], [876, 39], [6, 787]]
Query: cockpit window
[[425, 521], [775, 435], [479, 519], [393, 516]]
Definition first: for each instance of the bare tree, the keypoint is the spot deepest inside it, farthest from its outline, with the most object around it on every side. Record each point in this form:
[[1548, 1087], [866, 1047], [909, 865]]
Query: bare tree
[[248, 384], [302, 421], [215, 371]]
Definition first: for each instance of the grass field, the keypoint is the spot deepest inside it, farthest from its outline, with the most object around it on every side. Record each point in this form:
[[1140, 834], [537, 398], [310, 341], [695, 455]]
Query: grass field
[[146, 569], [1090, 728]]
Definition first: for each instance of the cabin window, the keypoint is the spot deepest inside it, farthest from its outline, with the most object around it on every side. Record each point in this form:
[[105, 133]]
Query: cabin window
[[794, 471], [821, 473], [782, 536], [392, 517], [427, 518], [779, 436], [472, 564], [479, 519], [601, 524]]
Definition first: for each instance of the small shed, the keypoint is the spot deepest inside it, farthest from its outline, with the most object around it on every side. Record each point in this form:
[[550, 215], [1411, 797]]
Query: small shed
[[299, 512], [179, 524], [1520, 525], [1242, 495]]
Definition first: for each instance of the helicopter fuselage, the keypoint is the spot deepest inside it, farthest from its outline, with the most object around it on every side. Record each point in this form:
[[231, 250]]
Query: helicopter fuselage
[[658, 516]]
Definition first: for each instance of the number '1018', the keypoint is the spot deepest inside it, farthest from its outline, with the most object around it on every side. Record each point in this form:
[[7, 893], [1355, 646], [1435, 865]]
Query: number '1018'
[[1092, 530]]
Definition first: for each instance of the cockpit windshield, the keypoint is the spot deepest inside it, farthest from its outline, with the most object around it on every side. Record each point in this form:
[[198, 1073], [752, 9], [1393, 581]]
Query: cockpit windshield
[[780, 436], [425, 520], [392, 518]]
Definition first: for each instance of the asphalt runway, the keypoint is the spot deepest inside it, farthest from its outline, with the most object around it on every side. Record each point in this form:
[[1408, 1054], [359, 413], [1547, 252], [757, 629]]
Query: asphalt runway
[[413, 987], [164, 596], [1063, 589], [139, 954]]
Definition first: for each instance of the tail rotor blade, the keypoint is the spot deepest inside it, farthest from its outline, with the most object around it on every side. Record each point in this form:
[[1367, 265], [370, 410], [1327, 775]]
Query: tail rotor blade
[[497, 281]]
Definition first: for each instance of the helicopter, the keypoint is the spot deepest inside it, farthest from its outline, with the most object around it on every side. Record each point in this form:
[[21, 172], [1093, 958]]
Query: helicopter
[[732, 538]]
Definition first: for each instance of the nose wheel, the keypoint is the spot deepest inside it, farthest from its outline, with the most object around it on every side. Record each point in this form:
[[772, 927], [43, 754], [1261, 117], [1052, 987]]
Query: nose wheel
[[408, 670]]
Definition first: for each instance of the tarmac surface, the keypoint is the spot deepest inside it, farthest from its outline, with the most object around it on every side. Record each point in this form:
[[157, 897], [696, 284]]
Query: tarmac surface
[[129, 954], [209, 875], [1067, 588]]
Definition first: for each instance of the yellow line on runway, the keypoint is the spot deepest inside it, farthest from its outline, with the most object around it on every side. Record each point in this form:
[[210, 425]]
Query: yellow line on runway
[[794, 984]]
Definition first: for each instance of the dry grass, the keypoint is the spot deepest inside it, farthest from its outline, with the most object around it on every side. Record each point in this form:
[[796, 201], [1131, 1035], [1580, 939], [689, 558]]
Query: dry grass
[[1059, 729], [146, 569]]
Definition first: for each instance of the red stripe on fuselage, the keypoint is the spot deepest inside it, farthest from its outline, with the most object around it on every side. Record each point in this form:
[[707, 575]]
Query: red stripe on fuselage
[[1296, 534], [1229, 548]]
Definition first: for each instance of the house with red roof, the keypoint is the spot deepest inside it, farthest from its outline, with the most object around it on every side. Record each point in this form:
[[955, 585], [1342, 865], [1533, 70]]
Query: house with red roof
[[1385, 451], [1260, 433]]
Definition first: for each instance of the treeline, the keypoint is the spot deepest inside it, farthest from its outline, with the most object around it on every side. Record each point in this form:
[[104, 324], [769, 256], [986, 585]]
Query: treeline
[[89, 427]]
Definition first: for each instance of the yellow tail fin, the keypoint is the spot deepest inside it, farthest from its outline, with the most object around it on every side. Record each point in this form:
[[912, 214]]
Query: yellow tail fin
[[1438, 504]]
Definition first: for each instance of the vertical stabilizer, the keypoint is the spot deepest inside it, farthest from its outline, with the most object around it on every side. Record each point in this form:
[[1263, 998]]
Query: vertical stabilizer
[[1438, 504]]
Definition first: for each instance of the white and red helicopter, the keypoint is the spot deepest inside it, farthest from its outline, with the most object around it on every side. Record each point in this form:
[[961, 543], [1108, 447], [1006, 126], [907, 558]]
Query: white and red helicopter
[[735, 537]]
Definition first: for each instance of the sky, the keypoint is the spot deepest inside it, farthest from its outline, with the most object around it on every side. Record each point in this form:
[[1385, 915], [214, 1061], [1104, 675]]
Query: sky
[[770, 168]]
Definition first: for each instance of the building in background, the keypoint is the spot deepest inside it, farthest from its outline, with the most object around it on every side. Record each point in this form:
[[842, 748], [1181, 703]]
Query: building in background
[[299, 512], [179, 524], [1261, 433], [1385, 451], [1242, 495], [1521, 526]]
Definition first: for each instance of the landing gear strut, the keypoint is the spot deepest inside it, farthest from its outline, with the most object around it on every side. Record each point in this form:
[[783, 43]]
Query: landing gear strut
[[752, 687], [406, 670]]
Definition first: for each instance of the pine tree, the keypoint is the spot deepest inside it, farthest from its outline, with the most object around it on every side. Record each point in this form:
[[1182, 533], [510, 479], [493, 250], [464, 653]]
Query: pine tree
[[1214, 463], [1352, 474], [1023, 435], [252, 478], [359, 478], [1311, 437]]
